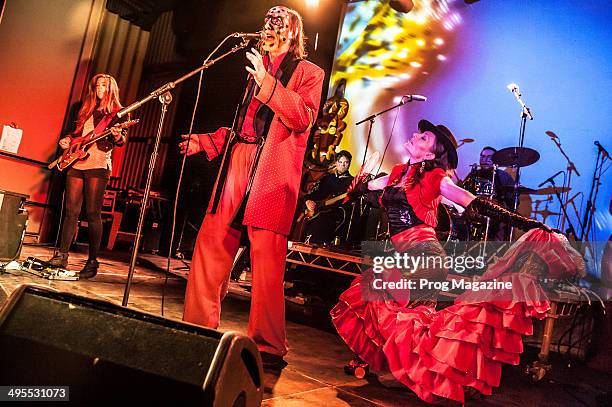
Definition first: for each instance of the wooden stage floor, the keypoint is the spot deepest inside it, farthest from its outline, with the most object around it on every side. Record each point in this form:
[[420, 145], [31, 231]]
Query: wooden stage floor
[[314, 375]]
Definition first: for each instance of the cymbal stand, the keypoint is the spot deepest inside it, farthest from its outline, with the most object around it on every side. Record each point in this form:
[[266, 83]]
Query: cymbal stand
[[570, 227], [569, 202], [571, 168], [525, 114]]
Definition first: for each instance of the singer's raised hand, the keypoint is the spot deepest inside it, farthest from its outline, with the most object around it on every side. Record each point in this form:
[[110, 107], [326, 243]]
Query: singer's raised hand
[[192, 145], [258, 70]]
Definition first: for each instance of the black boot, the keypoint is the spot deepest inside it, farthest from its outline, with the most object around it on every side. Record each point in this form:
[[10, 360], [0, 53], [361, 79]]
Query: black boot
[[59, 259], [90, 269], [486, 207]]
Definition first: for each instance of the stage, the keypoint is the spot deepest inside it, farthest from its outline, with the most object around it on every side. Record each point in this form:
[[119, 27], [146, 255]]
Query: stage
[[314, 374]]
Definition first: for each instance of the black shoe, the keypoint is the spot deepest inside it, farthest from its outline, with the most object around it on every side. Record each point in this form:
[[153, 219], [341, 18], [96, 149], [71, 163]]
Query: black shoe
[[271, 361], [59, 259], [357, 367], [90, 270]]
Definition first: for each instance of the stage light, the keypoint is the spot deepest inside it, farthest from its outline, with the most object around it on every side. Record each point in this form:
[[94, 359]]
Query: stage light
[[403, 6], [312, 3]]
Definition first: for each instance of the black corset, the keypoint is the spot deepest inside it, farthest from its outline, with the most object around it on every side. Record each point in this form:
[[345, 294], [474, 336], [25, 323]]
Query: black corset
[[400, 213]]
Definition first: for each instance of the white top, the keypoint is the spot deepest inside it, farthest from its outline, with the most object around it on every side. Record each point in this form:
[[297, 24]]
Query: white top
[[97, 158]]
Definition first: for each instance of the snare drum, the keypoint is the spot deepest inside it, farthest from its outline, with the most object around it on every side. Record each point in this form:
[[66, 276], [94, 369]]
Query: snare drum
[[479, 181]]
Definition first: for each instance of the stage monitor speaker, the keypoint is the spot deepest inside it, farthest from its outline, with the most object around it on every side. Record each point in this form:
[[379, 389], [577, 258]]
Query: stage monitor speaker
[[107, 353], [13, 221]]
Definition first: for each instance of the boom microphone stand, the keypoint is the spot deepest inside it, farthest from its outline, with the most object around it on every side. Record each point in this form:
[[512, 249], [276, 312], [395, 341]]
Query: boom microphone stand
[[405, 99], [370, 119], [602, 154], [525, 113], [165, 98]]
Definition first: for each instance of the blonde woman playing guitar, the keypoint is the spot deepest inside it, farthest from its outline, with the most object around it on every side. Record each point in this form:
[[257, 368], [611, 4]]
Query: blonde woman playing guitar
[[89, 176]]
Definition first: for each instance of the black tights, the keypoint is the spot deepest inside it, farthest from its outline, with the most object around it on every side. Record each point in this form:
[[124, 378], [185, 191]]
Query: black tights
[[77, 183]]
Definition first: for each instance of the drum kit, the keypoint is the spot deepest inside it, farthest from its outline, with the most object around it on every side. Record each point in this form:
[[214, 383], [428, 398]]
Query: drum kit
[[456, 225]]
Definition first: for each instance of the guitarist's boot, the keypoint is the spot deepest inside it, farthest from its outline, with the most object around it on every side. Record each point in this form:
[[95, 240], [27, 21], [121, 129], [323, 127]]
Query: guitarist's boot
[[90, 269], [59, 259]]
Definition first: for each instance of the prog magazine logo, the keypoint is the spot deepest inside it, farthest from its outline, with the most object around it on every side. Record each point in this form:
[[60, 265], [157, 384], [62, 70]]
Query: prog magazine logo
[[389, 269]]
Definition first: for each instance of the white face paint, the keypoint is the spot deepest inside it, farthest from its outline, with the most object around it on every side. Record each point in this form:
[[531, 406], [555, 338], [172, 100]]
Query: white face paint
[[276, 33]]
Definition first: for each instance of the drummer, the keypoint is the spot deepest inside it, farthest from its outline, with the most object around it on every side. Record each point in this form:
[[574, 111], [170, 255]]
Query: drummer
[[479, 182], [502, 178]]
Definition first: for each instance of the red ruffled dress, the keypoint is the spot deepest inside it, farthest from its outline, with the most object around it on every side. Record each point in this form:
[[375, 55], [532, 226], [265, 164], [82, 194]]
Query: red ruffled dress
[[437, 353]]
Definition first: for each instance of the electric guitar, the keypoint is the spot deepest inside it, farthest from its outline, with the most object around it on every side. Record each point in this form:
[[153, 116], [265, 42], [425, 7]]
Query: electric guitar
[[79, 146], [320, 205]]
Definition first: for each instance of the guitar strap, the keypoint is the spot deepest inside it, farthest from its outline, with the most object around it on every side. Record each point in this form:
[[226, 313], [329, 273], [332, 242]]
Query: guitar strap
[[106, 120]]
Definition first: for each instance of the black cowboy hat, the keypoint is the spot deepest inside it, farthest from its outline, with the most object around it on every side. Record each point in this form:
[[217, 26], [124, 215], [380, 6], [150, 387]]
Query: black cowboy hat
[[444, 136]]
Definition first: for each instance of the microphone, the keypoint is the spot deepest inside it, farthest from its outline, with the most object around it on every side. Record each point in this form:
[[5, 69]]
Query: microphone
[[550, 179], [513, 87], [248, 36], [602, 149], [410, 98]]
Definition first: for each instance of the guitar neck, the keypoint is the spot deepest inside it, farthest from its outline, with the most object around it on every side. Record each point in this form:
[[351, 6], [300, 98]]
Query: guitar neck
[[335, 199], [90, 139]]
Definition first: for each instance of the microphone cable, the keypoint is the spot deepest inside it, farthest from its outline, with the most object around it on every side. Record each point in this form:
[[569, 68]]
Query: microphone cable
[[181, 172], [389, 141]]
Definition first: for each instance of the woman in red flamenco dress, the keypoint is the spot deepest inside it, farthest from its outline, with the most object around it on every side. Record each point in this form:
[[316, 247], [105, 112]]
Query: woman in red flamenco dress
[[441, 354]]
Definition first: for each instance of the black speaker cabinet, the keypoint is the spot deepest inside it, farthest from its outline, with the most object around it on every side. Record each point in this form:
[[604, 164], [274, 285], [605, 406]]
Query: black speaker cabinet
[[108, 353], [13, 220]]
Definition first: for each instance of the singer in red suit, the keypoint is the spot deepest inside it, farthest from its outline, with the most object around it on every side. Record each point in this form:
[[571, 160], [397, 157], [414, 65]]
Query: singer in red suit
[[257, 185]]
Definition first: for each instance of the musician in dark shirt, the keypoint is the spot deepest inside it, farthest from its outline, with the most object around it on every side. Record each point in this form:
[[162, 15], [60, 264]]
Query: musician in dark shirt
[[480, 182], [328, 220]]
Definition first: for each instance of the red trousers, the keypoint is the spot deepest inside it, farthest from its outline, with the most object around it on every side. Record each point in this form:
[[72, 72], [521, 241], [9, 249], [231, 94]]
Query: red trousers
[[214, 252]]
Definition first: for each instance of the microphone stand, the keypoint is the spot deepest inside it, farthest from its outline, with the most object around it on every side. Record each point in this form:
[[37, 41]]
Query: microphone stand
[[405, 99], [165, 98], [370, 119], [590, 206], [571, 168], [525, 113]]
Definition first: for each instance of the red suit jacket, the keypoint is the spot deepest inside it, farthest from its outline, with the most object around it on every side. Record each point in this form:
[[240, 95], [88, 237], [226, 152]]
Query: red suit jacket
[[273, 197]]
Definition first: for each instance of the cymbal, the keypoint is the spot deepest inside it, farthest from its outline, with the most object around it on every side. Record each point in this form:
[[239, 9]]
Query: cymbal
[[516, 156], [551, 190], [545, 213], [521, 189]]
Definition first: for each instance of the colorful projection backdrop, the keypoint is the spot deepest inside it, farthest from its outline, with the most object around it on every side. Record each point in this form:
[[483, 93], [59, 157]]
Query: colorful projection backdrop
[[462, 57]]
